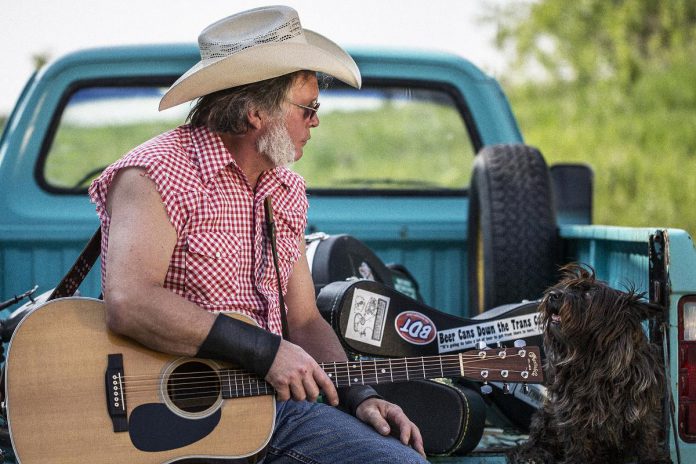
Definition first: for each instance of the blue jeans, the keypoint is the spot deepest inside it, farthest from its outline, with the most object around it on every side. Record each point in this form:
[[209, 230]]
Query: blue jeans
[[315, 433]]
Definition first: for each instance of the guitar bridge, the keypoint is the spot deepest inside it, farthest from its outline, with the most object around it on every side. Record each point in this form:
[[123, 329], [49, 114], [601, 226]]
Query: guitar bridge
[[115, 393]]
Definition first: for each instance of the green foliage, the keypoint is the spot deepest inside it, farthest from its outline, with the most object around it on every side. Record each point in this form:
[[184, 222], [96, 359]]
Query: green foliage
[[621, 98], [641, 145], [591, 40]]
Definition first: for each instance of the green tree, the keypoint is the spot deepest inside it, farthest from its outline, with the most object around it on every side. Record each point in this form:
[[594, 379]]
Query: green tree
[[621, 98], [590, 40]]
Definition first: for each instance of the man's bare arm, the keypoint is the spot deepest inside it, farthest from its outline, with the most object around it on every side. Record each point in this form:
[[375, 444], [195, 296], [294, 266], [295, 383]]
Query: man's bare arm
[[141, 242]]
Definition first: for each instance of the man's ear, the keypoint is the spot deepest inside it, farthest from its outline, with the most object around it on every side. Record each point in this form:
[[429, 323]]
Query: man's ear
[[255, 118]]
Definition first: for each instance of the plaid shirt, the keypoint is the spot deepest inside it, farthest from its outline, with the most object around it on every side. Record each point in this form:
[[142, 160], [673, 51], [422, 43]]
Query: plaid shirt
[[222, 259]]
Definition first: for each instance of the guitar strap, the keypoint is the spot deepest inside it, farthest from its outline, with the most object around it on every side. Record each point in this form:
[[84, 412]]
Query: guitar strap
[[270, 225], [77, 273]]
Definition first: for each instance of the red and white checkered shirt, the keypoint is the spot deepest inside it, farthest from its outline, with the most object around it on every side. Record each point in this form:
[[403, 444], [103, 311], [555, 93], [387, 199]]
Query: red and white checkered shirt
[[222, 259]]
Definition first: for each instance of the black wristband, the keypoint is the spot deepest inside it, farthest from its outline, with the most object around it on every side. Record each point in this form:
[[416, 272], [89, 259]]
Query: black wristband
[[351, 397], [240, 343]]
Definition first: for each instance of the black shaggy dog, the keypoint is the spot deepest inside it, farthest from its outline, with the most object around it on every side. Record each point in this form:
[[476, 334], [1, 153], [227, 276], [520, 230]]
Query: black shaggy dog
[[605, 380]]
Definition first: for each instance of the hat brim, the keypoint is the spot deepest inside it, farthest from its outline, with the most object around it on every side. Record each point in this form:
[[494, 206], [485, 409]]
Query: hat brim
[[261, 62]]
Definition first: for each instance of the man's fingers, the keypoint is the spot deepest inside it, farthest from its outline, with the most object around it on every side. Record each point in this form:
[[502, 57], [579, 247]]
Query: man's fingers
[[311, 389], [326, 386], [375, 419], [282, 393], [396, 417], [410, 435], [417, 441], [297, 391]]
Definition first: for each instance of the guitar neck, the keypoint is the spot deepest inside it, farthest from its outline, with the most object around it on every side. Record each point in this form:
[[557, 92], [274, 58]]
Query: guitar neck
[[503, 365]]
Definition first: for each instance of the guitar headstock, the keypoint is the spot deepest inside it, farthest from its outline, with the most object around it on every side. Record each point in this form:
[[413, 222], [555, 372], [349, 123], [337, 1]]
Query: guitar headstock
[[510, 365]]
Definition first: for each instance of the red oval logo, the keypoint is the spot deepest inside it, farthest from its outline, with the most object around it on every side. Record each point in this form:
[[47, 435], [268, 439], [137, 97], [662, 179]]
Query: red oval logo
[[415, 328]]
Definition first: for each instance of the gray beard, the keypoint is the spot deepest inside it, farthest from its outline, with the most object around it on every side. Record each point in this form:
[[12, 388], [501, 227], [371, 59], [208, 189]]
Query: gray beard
[[276, 145]]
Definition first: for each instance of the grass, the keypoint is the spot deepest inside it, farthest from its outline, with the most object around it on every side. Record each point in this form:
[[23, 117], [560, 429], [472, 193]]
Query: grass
[[641, 145]]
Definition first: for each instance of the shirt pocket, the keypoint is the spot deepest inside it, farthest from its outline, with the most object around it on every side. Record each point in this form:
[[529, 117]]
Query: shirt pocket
[[212, 266]]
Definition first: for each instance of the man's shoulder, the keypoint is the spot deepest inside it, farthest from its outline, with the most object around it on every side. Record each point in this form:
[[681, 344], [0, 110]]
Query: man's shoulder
[[166, 148], [165, 158]]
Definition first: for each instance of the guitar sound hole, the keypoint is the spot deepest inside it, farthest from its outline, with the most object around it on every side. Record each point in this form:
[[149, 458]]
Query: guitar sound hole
[[193, 387]]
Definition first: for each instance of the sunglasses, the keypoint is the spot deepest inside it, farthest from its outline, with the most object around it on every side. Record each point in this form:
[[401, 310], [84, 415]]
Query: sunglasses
[[309, 111]]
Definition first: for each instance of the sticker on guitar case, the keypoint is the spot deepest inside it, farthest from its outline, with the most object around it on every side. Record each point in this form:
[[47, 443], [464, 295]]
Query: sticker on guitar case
[[502, 330], [368, 311], [415, 328]]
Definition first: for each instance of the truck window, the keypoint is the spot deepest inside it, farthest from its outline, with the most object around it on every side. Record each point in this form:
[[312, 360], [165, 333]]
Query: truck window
[[98, 125], [394, 139]]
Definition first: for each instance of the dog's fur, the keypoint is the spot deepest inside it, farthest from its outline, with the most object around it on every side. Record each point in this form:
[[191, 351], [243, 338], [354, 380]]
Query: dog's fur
[[605, 380]]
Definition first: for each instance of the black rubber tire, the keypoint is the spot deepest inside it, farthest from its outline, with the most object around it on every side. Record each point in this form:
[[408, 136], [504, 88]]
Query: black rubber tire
[[512, 232]]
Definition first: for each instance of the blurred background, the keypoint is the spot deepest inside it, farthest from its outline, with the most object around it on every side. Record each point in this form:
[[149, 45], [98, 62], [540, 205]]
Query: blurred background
[[607, 83]]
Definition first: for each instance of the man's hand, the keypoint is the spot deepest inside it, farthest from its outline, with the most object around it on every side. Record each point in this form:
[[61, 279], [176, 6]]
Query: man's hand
[[295, 374], [383, 415]]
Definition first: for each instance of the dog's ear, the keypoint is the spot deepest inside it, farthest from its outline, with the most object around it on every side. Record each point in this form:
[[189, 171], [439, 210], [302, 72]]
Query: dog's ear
[[577, 271], [647, 310]]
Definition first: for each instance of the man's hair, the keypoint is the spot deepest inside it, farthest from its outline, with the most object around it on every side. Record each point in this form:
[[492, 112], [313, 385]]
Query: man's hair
[[226, 110]]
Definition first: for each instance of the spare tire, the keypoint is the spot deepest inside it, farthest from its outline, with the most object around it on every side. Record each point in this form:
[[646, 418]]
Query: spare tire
[[512, 232]]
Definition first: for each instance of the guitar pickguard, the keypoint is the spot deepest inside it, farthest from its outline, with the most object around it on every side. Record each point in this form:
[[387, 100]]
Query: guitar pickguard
[[154, 427]]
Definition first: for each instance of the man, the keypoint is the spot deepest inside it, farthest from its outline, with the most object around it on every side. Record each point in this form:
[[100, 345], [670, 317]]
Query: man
[[184, 236]]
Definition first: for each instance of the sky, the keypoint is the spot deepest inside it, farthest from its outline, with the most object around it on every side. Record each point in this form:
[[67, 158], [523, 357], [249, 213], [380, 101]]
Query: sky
[[53, 28]]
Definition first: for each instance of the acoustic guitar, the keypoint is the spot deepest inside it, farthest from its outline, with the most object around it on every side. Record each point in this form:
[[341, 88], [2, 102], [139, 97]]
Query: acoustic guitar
[[74, 390]]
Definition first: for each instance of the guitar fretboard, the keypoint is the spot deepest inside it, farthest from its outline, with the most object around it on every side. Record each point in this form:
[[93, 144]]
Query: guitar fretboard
[[238, 383], [506, 365], [376, 371]]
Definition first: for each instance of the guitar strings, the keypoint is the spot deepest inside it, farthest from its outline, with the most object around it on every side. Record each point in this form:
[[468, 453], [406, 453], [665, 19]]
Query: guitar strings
[[364, 368], [254, 387], [249, 384], [453, 360]]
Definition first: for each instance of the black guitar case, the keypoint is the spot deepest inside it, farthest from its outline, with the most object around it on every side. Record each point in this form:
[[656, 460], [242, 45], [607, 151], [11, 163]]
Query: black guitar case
[[375, 320], [372, 319], [340, 257], [451, 417]]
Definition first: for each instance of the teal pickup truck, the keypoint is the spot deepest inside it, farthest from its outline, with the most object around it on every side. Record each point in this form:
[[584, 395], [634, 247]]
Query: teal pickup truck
[[392, 165]]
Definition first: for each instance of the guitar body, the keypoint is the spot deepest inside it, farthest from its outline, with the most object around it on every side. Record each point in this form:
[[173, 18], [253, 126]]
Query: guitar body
[[57, 406]]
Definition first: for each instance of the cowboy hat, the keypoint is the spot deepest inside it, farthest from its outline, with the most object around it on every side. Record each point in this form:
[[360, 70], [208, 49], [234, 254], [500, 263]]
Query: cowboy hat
[[256, 45]]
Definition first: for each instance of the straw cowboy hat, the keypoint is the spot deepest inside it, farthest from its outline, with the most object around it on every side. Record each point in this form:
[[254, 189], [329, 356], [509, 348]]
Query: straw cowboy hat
[[256, 45]]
